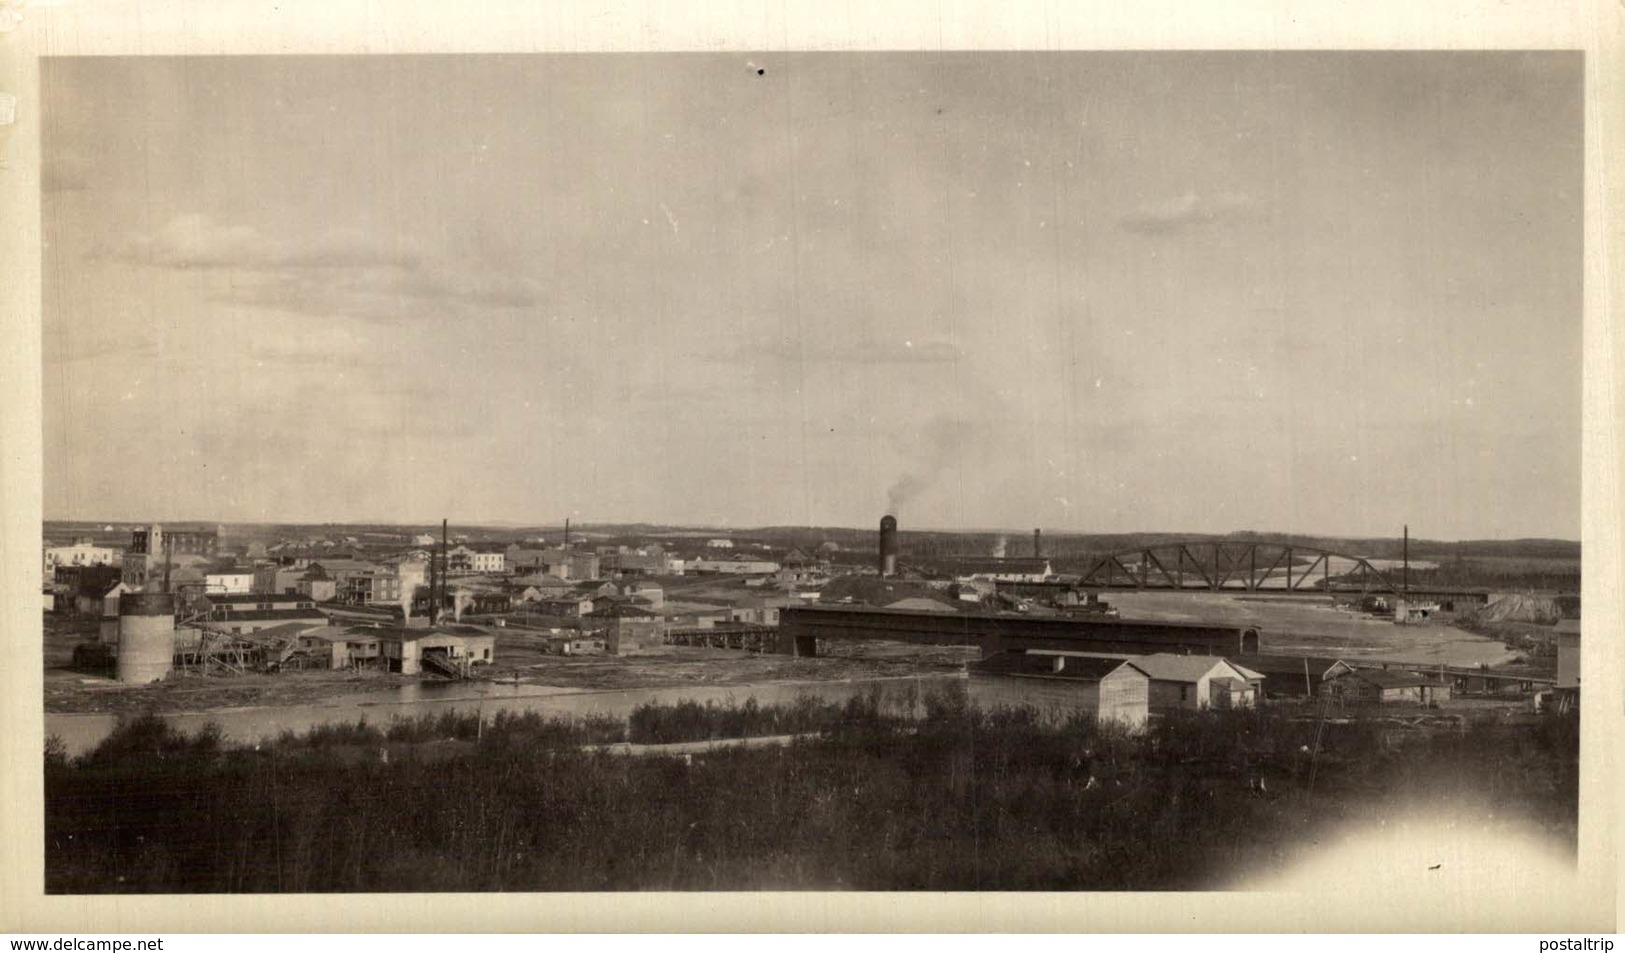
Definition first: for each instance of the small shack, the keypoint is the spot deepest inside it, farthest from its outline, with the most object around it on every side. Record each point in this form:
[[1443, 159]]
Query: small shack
[[1388, 687], [1199, 681]]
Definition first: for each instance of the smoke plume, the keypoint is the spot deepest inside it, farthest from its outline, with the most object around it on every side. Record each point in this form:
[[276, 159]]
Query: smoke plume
[[938, 445], [411, 576]]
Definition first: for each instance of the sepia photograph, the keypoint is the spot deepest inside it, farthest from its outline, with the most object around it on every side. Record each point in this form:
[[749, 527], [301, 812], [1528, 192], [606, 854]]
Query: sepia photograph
[[824, 471], [815, 471]]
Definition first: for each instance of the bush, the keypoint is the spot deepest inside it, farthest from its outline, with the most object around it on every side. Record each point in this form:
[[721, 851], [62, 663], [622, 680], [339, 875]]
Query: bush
[[963, 799]]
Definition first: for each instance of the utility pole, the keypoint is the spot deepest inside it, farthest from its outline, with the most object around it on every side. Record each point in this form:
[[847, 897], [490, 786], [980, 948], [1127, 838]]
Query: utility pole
[[445, 568], [433, 582], [1406, 552]]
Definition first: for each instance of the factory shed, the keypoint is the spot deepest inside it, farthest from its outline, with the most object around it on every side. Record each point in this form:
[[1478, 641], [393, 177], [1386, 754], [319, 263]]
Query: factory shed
[[448, 649], [1109, 689], [993, 632], [1197, 681]]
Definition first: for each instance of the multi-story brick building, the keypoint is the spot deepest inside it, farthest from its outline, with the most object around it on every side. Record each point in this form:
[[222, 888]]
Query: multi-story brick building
[[150, 545]]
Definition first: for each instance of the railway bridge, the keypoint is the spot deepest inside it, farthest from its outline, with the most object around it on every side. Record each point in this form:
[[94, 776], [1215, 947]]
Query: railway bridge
[[1249, 566]]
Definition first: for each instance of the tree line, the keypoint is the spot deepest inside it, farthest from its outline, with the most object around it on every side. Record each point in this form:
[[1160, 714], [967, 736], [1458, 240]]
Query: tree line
[[880, 793]]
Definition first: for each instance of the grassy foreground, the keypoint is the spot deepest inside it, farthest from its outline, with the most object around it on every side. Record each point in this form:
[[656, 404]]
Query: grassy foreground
[[927, 794]]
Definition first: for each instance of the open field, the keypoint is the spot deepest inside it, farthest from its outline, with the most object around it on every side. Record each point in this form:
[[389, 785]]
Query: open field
[[1291, 626]]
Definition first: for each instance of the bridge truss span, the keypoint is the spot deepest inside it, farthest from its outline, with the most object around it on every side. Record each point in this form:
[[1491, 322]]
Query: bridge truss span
[[1236, 566]]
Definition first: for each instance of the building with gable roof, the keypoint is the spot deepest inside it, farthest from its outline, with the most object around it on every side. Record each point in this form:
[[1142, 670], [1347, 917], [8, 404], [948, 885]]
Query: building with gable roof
[[1111, 689], [1198, 681]]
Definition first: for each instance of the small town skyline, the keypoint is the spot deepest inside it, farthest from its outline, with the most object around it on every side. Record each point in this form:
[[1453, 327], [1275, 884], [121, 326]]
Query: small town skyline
[[593, 526]]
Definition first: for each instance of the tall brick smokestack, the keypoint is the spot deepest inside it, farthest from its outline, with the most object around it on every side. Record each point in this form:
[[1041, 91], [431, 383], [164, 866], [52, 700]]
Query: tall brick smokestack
[[1038, 545], [888, 545]]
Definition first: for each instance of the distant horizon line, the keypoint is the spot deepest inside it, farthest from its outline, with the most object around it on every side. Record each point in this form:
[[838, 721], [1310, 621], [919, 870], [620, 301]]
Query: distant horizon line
[[559, 526]]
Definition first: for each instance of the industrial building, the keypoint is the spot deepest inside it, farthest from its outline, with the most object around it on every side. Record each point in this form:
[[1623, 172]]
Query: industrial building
[[151, 547], [449, 650], [801, 627], [1109, 689]]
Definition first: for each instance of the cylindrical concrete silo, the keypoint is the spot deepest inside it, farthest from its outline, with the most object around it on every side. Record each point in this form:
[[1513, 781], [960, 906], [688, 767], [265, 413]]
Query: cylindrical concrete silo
[[146, 636], [888, 545]]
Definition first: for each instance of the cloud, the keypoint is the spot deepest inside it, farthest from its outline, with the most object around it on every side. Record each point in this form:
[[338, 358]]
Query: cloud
[[340, 272], [1185, 212]]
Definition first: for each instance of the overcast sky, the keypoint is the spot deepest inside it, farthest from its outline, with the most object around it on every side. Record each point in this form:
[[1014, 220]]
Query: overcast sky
[[1326, 293]]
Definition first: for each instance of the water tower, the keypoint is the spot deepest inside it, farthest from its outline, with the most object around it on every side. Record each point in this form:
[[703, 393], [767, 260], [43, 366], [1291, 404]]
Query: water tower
[[146, 636]]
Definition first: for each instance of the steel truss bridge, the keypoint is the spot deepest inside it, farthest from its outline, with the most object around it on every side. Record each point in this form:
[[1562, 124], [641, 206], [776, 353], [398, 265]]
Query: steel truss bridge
[[1249, 566]]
